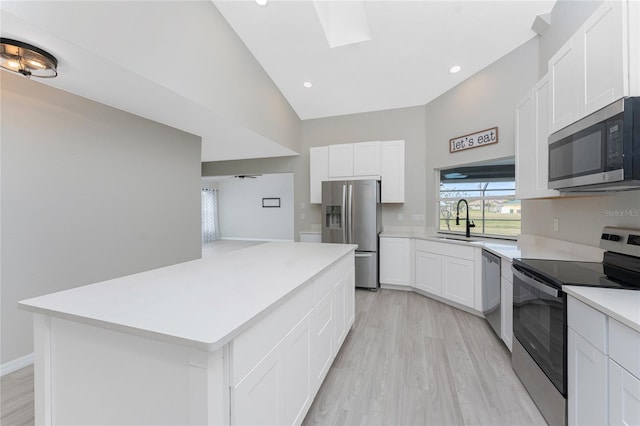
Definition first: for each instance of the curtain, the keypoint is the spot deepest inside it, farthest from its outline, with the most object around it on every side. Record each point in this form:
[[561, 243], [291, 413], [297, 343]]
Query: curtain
[[210, 226]]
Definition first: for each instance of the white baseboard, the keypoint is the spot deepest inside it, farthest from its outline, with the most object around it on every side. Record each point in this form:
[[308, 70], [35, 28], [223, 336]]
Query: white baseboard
[[16, 364]]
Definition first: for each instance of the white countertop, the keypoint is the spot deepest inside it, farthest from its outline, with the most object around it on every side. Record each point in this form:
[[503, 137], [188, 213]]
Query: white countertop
[[621, 305], [203, 303], [527, 247]]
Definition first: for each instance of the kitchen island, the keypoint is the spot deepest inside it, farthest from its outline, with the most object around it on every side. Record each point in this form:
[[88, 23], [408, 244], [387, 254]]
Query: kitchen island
[[244, 337]]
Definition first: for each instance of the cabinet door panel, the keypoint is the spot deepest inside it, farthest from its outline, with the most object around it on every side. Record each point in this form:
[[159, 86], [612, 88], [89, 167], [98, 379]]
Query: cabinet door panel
[[340, 321], [624, 396], [366, 159], [350, 308], [394, 261], [604, 66], [525, 147], [392, 171], [586, 382], [322, 341], [429, 272], [458, 280], [256, 399], [562, 73], [318, 172], [341, 160], [297, 373]]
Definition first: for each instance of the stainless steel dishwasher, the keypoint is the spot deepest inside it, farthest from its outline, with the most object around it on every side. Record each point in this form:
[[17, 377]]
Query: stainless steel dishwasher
[[491, 290]]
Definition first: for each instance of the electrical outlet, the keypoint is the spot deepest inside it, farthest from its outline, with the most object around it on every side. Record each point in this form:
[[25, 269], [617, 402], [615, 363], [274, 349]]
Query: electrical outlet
[[400, 217], [556, 224], [302, 216], [417, 217]]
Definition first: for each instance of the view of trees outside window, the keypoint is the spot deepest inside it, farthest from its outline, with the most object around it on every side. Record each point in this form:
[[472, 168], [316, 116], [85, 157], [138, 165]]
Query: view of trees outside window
[[492, 207]]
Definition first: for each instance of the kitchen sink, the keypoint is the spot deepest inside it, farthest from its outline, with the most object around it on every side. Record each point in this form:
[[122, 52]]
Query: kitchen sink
[[469, 240]]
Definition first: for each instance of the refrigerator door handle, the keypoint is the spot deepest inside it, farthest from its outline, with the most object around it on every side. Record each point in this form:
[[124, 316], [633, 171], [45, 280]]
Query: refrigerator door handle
[[343, 213], [364, 254], [350, 218]]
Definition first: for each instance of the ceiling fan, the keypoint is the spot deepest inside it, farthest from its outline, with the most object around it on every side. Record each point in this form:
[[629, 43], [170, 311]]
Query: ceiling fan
[[253, 176]]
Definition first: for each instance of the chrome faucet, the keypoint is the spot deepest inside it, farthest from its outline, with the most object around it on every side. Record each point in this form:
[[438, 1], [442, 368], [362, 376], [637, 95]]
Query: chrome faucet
[[469, 224]]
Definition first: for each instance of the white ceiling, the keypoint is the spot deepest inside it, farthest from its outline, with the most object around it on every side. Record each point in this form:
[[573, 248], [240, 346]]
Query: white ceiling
[[406, 62]]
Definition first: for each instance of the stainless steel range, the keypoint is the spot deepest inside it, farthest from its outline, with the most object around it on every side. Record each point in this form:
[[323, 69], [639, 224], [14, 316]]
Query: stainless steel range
[[540, 313]]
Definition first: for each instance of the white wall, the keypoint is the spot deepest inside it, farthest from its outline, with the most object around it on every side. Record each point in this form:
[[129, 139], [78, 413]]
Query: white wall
[[240, 207], [88, 193]]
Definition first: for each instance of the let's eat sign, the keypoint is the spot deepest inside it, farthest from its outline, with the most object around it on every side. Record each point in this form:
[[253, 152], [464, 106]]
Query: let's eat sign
[[474, 140]]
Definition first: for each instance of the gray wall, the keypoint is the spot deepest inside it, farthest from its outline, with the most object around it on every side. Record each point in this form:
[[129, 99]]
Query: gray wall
[[580, 219], [88, 193]]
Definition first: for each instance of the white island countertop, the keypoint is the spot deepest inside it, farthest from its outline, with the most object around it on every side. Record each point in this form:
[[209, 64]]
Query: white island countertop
[[203, 303]]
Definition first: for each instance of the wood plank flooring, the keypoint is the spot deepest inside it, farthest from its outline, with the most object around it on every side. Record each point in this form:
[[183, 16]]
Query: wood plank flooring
[[409, 360], [16, 398]]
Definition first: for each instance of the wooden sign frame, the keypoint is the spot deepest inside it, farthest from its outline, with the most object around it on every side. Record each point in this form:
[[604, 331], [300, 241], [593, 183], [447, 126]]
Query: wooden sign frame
[[474, 140]]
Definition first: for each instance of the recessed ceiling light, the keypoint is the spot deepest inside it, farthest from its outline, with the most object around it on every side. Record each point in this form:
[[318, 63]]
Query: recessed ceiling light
[[262, 2], [454, 69], [307, 84]]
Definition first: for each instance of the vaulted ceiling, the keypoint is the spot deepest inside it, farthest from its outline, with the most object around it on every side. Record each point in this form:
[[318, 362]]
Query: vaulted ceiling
[[149, 58]]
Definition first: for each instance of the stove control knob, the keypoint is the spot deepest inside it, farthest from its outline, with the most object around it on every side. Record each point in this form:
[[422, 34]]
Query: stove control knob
[[614, 237], [604, 237]]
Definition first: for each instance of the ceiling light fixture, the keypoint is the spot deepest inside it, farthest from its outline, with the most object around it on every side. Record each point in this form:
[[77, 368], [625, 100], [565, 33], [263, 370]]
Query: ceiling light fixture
[[262, 2], [454, 69], [307, 84], [28, 60]]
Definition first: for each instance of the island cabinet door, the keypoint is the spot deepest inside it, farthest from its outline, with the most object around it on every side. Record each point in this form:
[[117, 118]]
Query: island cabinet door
[[322, 340], [278, 390]]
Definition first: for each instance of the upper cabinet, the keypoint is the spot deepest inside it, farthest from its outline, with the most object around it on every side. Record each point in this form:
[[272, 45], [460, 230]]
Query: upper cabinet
[[532, 148], [594, 68], [392, 171], [318, 172], [341, 160], [380, 160]]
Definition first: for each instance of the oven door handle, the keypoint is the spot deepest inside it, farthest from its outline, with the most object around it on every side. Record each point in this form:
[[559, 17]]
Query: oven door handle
[[551, 291]]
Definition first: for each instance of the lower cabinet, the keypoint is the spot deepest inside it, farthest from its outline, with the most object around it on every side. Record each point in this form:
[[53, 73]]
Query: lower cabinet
[[446, 270], [274, 379], [395, 261], [429, 272], [624, 396], [603, 368], [586, 382], [277, 390]]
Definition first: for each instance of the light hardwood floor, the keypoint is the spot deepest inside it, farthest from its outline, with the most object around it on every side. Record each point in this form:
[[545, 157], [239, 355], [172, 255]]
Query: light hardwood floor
[[408, 360]]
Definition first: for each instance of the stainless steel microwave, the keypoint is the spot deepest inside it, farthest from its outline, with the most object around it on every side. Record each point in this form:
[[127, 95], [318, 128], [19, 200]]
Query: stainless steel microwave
[[600, 152]]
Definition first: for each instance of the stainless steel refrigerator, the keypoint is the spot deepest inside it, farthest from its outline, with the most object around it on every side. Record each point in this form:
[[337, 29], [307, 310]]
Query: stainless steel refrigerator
[[351, 214]]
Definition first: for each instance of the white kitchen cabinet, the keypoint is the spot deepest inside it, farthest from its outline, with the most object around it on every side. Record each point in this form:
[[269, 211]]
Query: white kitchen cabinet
[[255, 401], [525, 147], [586, 382], [366, 159], [340, 313], [318, 172], [322, 331], [395, 261], [341, 160], [278, 389], [506, 303], [429, 272], [563, 71], [392, 171], [603, 68], [458, 283], [446, 270], [532, 147], [598, 65], [297, 392], [624, 396]]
